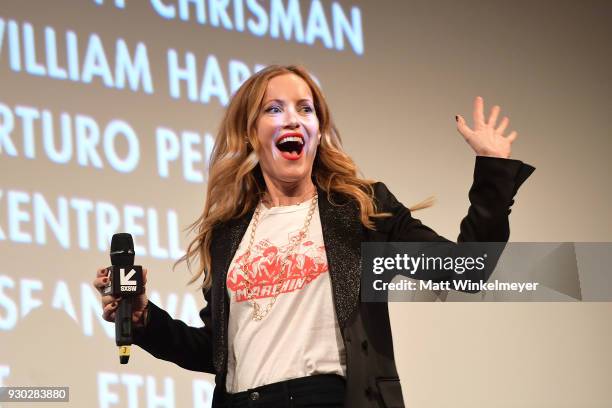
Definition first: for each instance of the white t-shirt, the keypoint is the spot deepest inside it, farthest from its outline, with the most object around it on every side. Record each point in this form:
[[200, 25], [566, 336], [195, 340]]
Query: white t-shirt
[[300, 335]]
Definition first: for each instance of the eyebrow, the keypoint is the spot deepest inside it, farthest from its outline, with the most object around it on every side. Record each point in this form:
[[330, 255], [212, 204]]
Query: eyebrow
[[280, 101]]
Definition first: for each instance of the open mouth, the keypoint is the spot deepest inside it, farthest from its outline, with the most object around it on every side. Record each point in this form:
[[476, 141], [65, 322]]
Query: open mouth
[[291, 145]]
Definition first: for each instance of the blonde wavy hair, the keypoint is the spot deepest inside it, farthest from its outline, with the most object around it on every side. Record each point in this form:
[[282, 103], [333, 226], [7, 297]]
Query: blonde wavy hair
[[235, 182]]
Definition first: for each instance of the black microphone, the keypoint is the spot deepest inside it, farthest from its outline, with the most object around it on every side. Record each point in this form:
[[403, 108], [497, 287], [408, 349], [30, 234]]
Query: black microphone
[[125, 281]]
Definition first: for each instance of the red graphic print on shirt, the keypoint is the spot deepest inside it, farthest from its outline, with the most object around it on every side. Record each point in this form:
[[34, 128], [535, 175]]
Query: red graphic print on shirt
[[264, 269]]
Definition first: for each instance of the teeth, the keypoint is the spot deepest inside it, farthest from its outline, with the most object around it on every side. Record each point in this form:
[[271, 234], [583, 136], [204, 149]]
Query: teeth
[[292, 139]]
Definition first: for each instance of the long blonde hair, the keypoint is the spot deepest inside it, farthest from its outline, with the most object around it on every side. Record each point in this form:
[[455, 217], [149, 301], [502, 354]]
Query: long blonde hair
[[235, 184]]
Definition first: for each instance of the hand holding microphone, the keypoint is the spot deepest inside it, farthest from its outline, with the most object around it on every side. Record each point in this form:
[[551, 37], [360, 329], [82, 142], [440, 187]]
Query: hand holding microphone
[[122, 287], [110, 302]]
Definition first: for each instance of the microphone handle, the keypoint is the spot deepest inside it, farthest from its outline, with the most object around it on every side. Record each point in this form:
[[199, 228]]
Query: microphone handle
[[123, 323]]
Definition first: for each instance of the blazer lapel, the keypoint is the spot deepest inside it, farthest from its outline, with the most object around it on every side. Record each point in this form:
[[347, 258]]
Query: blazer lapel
[[342, 235], [225, 244]]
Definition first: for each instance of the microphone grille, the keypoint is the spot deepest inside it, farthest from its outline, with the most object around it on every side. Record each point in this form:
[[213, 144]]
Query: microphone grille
[[122, 242], [122, 249]]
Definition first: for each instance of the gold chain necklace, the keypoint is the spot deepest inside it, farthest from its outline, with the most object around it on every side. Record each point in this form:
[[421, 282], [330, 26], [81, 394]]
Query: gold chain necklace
[[258, 312]]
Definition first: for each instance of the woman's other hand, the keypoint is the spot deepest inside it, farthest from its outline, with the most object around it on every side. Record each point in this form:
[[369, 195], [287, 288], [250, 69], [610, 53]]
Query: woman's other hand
[[487, 138]]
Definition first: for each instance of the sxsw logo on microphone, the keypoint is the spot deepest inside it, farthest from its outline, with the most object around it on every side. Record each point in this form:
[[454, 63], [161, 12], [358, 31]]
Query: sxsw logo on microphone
[[127, 283]]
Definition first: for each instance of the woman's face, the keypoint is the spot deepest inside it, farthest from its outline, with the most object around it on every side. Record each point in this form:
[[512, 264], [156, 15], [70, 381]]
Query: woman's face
[[287, 130]]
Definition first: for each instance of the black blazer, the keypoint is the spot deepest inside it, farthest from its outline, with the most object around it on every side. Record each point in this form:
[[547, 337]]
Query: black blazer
[[372, 379]]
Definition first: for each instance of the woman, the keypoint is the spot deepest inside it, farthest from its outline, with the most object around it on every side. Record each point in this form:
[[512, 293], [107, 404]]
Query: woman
[[279, 253]]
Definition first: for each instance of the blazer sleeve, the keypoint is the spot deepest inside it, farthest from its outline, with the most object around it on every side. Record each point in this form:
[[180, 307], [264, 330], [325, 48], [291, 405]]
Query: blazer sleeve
[[495, 184], [172, 340], [496, 181]]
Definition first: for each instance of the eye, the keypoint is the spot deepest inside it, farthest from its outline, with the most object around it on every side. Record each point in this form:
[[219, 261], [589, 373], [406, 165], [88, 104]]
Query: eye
[[273, 109], [307, 109]]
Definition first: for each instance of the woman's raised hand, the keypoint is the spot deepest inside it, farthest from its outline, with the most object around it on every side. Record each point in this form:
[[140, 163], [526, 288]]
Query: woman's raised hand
[[110, 303], [487, 138]]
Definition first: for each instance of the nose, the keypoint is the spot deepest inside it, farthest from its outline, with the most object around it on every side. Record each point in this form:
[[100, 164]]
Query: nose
[[291, 119]]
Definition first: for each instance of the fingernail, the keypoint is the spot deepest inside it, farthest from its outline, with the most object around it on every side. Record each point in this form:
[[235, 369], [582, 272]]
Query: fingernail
[[456, 118]]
